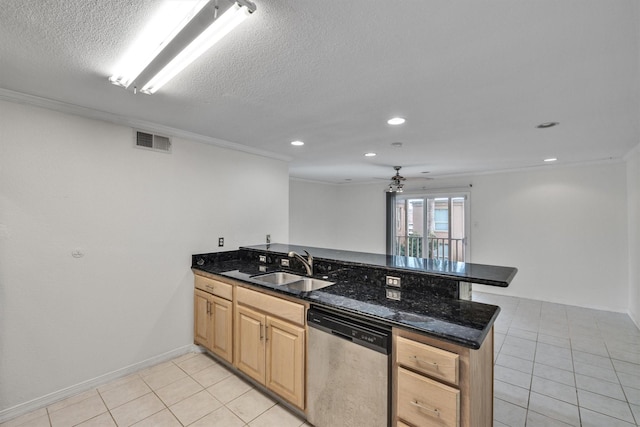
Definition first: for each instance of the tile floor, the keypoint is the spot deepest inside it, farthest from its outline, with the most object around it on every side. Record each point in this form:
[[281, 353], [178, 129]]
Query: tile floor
[[560, 365], [556, 365], [191, 390]]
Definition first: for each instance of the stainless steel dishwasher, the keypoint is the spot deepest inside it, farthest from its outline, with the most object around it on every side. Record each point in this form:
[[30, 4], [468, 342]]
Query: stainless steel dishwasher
[[348, 371]]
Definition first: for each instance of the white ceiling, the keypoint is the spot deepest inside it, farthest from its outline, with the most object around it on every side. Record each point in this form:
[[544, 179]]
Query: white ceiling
[[473, 79]]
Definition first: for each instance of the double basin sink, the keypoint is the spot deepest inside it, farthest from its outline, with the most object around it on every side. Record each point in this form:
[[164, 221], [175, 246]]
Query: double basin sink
[[293, 281]]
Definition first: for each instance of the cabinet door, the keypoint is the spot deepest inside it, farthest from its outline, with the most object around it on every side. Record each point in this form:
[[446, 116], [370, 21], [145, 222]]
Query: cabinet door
[[250, 343], [285, 360], [222, 341], [202, 320]]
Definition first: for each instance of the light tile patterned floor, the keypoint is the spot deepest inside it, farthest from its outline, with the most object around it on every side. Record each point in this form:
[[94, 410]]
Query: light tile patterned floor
[[556, 365], [560, 365], [192, 390]]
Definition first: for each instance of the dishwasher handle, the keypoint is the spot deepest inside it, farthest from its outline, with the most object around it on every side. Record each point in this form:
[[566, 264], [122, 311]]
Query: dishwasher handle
[[341, 335]]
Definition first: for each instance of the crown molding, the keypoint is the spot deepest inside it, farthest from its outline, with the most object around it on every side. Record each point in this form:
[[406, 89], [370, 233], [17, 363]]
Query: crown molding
[[90, 113]]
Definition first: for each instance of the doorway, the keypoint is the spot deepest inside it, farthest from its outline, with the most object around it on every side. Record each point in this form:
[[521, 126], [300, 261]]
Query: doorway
[[431, 226]]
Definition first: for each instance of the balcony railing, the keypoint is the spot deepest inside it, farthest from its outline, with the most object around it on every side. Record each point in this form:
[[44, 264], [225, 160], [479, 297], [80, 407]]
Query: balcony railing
[[436, 248]]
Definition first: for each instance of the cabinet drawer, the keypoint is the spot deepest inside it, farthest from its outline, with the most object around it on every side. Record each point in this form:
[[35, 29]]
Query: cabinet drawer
[[425, 402], [223, 290], [429, 360], [278, 307]]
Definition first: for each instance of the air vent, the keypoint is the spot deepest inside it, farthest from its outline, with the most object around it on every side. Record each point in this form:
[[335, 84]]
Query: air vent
[[153, 142]]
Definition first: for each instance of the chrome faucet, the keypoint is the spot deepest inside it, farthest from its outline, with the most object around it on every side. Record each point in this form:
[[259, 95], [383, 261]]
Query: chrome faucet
[[308, 263]]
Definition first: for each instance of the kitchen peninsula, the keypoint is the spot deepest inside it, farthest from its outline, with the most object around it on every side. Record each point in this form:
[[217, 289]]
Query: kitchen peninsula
[[440, 344]]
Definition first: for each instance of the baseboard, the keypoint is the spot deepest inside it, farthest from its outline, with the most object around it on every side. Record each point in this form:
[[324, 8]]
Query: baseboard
[[46, 400], [634, 319]]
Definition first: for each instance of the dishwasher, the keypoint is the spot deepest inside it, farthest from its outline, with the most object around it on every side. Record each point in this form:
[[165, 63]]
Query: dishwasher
[[348, 371]]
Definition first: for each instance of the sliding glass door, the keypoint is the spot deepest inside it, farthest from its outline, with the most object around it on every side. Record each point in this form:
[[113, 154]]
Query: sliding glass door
[[431, 226]]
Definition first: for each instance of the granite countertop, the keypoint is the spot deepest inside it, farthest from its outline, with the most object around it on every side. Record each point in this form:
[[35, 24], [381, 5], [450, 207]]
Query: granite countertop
[[461, 322], [463, 271]]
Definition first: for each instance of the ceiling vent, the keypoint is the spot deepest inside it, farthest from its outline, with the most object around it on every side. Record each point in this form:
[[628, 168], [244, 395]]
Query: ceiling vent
[[153, 142]]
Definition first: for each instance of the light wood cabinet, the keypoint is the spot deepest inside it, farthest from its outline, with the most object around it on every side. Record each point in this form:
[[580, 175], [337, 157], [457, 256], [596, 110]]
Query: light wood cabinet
[[213, 317], [285, 360], [250, 343], [270, 343], [425, 402], [436, 383]]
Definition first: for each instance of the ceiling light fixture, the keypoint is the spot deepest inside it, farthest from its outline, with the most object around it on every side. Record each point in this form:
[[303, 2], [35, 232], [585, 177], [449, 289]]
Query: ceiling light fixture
[[547, 125], [396, 121], [297, 143], [160, 54], [369, 154], [550, 159], [396, 181]]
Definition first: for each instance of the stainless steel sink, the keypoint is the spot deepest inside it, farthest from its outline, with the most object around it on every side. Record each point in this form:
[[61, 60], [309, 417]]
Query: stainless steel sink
[[307, 284], [278, 278], [293, 281]]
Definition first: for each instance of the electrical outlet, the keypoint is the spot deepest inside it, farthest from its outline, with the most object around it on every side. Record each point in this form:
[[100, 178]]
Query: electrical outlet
[[394, 294], [263, 258], [220, 241], [284, 262], [393, 281]]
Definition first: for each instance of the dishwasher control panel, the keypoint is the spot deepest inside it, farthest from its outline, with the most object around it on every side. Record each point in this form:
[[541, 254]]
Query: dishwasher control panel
[[370, 336]]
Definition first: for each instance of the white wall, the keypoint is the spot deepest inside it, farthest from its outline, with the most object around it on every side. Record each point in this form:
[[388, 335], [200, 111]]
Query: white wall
[[313, 217], [72, 183], [633, 192], [337, 216], [564, 228]]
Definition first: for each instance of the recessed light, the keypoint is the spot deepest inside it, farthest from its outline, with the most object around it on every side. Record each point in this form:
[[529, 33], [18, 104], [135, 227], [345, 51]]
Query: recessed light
[[547, 125], [396, 144], [550, 159], [396, 121], [297, 143], [369, 154]]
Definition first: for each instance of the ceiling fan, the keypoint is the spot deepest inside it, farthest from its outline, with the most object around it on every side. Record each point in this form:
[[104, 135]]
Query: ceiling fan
[[397, 181]]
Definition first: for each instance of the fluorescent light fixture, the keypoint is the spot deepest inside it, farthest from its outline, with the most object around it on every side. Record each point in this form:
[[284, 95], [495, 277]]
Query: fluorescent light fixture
[[233, 17], [297, 143], [396, 121], [169, 43], [170, 19], [550, 159], [369, 154]]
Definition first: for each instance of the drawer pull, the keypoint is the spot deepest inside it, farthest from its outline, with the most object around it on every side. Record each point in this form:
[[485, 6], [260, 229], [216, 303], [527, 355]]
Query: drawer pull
[[425, 362], [433, 412]]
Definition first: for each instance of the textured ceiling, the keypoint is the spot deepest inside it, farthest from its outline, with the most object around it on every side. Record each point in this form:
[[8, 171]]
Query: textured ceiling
[[473, 79]]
